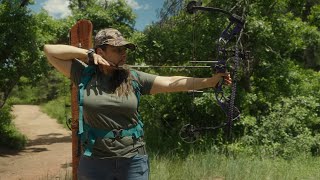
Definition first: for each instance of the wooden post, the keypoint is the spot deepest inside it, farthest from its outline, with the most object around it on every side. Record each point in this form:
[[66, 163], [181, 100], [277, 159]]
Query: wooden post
[[80, 36]]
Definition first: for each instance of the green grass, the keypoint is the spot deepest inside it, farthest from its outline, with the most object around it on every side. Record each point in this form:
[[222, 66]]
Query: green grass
[[56, 109], [210, 166]]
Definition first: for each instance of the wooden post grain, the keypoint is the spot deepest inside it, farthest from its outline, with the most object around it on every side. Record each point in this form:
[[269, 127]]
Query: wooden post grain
[[80, 36]]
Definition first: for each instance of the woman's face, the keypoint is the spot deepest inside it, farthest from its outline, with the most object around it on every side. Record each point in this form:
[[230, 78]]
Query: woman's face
[[115, 54]]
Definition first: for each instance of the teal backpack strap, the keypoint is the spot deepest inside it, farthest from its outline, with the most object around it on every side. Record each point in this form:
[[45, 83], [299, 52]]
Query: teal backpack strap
[[85, 79], [136, 85], [93, 133], [137, 89]]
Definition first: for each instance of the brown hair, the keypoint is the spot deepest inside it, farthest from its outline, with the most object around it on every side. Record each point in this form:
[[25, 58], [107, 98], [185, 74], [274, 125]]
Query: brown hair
[[121, 81]]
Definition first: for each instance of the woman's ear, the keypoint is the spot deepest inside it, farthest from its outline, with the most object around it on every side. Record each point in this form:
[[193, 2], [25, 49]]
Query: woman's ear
[[99, 51]]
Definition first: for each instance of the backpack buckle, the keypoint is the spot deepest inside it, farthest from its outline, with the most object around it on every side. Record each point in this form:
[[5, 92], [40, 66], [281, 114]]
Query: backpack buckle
[[117, 133]]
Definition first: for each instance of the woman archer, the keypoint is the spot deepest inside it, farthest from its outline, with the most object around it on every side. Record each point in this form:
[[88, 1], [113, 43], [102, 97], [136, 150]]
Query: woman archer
[[112, 135]]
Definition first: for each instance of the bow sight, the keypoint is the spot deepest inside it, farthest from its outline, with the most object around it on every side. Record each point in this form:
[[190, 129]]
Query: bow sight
[[189, 133]]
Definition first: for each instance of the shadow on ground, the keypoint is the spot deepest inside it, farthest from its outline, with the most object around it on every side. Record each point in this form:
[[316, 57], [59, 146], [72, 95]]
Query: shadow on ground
[[45, 139]]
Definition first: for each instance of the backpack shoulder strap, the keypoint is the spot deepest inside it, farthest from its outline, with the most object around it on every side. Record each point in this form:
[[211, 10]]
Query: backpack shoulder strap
[[86, 76], [136, 84], [137, 89]]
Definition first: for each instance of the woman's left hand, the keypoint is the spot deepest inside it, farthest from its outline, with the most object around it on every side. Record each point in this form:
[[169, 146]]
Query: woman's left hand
[[219, 76]]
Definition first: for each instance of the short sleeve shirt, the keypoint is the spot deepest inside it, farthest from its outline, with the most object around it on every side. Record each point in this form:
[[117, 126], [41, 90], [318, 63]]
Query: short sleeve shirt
[[105, 110]]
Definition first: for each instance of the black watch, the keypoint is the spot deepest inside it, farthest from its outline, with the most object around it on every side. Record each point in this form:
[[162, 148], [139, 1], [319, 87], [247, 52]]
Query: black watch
[[90, 56]]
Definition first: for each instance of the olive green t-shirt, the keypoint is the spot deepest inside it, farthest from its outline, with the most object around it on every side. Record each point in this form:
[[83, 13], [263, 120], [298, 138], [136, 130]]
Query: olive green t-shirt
[[105, 110]]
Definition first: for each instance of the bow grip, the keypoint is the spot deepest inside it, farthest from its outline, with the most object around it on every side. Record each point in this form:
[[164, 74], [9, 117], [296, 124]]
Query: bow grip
[[220, 67]]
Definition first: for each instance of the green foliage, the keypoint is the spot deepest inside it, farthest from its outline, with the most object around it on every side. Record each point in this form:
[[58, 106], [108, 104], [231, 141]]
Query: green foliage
[[287, 130], [50, 87], [57, 109], [24, 35], [289, 125], [277, 96], [314, 17], [103, 14], [16, 46], [50, 30], [9, 136]]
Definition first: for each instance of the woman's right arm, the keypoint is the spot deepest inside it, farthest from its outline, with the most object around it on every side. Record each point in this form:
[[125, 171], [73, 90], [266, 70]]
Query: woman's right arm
[[61, 56]]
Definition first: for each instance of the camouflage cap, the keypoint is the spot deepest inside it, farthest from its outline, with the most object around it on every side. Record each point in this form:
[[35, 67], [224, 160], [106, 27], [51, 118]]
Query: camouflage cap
[[112, 37]]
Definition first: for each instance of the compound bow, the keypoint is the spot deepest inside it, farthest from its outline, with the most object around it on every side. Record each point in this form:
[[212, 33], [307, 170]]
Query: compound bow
[[190, 133]]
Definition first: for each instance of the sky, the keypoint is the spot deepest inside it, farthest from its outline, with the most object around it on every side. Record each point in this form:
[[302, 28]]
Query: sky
[[146, 10]]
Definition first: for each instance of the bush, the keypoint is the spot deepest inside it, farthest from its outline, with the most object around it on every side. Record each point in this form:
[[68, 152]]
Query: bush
[[49, 87], [10, 137], [57, 109]]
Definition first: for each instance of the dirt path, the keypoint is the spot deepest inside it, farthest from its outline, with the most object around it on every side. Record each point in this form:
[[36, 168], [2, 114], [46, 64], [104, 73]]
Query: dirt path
[[48, 151]]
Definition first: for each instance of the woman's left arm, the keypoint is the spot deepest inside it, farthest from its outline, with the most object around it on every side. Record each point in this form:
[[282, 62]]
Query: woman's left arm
[[163, 84]]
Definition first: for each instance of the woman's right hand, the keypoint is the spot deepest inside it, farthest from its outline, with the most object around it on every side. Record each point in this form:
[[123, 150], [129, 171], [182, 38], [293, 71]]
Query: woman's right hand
[[97, 59]]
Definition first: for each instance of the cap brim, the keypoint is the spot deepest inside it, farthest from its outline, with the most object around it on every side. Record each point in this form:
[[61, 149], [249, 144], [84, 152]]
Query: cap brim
[[129, 45]]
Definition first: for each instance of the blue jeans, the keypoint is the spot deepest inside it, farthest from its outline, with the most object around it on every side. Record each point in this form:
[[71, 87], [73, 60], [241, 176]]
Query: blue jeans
[[135, 168]]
